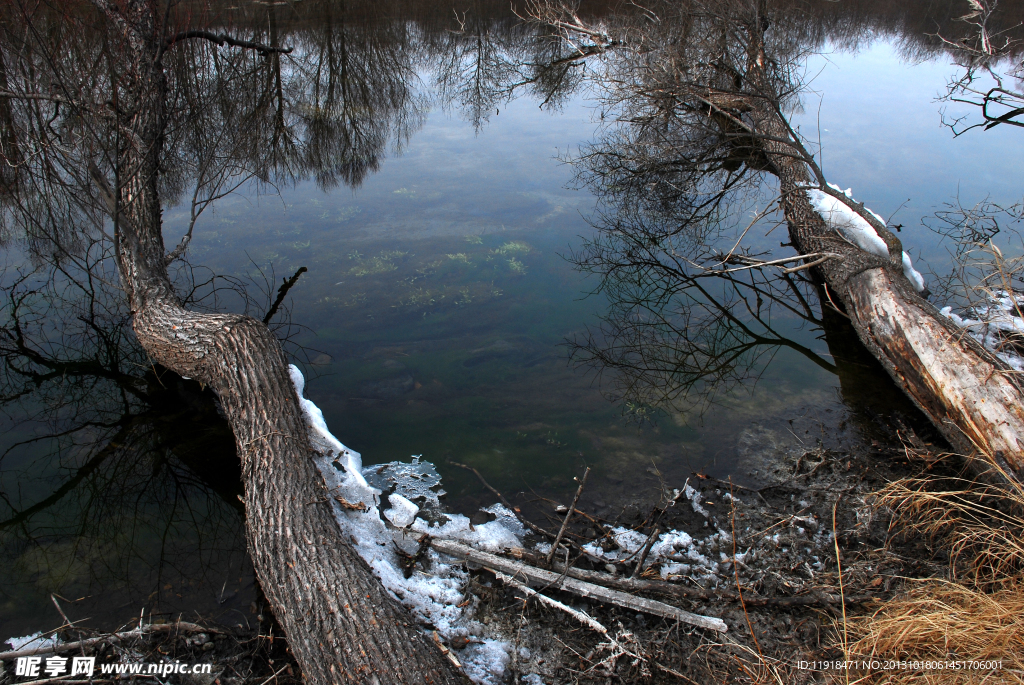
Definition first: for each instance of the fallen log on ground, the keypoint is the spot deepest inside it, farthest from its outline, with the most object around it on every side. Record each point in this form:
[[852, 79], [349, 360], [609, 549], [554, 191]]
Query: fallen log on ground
[[662, 587], [586, 620], [527, 573], [142, 631]]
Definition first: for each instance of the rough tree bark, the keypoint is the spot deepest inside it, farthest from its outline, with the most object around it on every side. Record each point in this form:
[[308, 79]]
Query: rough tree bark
[[341, 624]]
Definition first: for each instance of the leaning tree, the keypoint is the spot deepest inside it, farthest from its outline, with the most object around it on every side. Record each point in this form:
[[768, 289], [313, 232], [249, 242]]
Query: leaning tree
[[101, 107], [702, 90]]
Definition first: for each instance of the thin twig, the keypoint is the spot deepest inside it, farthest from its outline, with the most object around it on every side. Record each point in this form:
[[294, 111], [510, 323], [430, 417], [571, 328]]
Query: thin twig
[[138, 632], [839, 568], [568, 515], [816, 262], [282, 292], [756, 264], [501, 498], [275, 675], [647, 549]]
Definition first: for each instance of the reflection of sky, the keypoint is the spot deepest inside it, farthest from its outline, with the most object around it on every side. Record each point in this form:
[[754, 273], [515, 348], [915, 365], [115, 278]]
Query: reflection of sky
[[485, 180], [448, 180], [451, 181], [882, 136]]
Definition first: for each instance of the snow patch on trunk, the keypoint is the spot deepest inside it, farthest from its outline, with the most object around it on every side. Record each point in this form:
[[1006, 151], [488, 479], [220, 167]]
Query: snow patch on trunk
[[841, 218]]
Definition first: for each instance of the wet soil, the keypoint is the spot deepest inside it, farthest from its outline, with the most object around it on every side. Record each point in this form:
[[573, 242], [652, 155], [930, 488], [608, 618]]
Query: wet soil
[[808, 538]]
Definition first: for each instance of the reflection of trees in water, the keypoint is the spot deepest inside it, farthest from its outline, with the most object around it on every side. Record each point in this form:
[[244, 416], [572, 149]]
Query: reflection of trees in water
[[678, 333], [116, 477], [676, 341], [678, 172], [113, 440], [328, 109], [353, 91], [489, 60]]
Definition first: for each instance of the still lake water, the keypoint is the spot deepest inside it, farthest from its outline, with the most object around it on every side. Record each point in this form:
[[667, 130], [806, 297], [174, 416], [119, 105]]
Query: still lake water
[[436, 310]]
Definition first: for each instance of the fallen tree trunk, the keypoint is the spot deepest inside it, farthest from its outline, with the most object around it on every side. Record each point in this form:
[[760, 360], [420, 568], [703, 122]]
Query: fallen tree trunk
[[972, 397], [726, 84], [969, 395], [666, 588], [550, 579]]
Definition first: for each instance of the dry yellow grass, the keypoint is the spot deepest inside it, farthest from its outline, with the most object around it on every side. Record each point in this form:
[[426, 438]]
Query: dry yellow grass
[[983, 524], [977, 615], [945, 621]]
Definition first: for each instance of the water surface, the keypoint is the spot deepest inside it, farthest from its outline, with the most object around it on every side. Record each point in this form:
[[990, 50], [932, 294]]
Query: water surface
[[434, 319]]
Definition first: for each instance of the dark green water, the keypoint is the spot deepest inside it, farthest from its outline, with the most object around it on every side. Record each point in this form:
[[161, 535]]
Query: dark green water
[[435, 314]]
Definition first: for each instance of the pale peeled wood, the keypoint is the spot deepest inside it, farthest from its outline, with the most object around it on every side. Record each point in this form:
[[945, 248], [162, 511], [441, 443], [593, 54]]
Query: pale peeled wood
[[967, 393], [937, 369], [524, 572]]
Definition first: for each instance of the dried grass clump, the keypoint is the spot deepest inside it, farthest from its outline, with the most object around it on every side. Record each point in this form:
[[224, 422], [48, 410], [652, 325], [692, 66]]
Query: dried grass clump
[[977, 615], [941, 620], [981, 523]]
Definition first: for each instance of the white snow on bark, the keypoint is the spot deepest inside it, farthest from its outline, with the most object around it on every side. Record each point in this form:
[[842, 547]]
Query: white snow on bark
[[434, 597], [841, 218]]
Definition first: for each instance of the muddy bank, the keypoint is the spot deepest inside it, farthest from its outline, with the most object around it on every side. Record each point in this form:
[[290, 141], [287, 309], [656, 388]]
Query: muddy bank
[[762, 557]]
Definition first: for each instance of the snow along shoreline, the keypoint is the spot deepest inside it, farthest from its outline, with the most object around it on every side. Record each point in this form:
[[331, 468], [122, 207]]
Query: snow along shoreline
[[436, 598], [996, 322]]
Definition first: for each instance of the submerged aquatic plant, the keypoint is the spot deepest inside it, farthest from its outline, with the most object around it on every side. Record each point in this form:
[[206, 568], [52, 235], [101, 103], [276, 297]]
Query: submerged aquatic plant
[[382, 263], [513, 247]]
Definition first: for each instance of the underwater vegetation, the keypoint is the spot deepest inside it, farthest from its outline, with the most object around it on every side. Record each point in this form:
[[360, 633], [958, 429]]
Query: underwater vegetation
[[426, 275]]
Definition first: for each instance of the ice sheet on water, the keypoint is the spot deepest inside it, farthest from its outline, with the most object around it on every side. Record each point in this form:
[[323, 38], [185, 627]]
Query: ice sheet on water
[[418, 481], [402, 511]]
